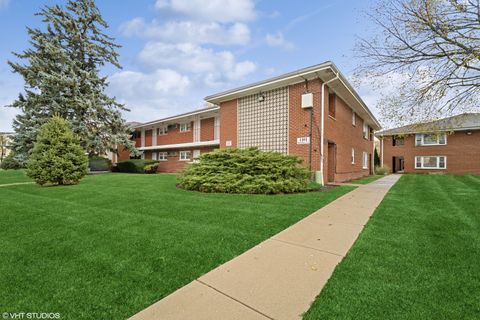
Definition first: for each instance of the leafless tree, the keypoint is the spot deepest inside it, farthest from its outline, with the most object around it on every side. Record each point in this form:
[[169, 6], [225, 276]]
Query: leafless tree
[[431, 48]]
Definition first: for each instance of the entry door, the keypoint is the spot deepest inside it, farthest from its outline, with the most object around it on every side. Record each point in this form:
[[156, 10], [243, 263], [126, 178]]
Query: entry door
[[332, 161]]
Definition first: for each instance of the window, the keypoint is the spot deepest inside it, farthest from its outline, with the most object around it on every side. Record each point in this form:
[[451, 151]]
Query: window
[[184, 127], [430, 162], [162, 131], [136, 134], [365, 160], [185, 155], [332, 97], [430, 139], [354, 118], [398, 141], [353, 156], [162, 156], [365, 130]]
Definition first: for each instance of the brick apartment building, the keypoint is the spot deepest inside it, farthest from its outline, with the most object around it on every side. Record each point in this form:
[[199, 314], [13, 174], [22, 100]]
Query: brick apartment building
[[291, 113], [449, 145]]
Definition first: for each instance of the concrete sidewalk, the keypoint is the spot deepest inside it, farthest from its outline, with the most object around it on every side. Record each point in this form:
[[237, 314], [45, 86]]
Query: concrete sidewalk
[[280, 277]]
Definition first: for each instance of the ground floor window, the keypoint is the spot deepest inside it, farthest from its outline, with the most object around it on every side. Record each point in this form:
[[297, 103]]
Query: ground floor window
[[163, 156], [430, 162], [365, 160], [353, 155], [185, 155]]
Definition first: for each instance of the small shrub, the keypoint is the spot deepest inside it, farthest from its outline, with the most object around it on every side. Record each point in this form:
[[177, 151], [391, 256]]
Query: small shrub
[[382, 170], [57, 157], [134, 165], [10, 163], [96, 163], [246, 171], [151, 168]]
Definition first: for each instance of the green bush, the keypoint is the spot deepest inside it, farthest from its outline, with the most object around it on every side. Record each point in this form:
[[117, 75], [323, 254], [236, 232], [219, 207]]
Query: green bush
[[96, 163], [246, 171], [57, 157], [151, 168], [134, 165], [382, 170], [10, 162]]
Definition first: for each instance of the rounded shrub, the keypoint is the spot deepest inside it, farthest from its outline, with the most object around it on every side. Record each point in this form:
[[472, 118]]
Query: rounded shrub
[[246, 171], [96, 163], [10, 163], [57, 157]]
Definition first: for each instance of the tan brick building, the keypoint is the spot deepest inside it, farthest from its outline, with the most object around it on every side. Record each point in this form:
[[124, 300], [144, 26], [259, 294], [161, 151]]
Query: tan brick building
[[449, 145], [313, 113]]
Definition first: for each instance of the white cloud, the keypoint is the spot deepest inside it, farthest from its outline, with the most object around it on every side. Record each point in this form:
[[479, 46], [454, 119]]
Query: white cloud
[[278, 40], [211, 10], [188, 31], [190, 58]]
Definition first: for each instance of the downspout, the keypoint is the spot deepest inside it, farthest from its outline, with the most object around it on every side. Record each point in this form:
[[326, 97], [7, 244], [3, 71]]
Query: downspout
[[319, 177], [381, 151]]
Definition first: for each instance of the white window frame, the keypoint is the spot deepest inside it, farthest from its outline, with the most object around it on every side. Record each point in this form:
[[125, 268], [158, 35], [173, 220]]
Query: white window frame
[[162, 156], [365, 130], [422, 167], [365, 160], [161, 131], [354, 118], [353, 155], [422, 140], [185, 127], [182, 154]]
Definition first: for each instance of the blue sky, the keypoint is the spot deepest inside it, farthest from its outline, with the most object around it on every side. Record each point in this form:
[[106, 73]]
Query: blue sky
[[175, 52]]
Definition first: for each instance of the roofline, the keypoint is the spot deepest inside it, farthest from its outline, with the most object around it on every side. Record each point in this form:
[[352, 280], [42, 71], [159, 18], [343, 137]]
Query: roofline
[[383, 134], [182, 115], [291, 75]]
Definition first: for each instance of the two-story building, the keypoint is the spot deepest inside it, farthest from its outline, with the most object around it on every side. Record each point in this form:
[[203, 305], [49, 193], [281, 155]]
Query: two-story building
[[447, 145], [313, 113]]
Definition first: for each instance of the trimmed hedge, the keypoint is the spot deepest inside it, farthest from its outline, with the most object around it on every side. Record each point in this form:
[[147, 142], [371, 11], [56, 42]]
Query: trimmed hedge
[[248, 171], [134, 165], [96, 163]]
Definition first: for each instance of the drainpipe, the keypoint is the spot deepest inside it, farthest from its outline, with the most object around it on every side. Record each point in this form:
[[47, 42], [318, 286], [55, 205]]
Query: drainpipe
[[319, 177]]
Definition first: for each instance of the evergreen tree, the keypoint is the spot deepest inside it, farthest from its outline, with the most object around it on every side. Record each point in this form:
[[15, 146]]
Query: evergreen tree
[[62, 76], [376, 158], [57, 157]]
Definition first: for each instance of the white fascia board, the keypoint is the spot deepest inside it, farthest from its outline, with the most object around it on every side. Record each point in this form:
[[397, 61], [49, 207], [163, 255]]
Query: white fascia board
[[182, 145]]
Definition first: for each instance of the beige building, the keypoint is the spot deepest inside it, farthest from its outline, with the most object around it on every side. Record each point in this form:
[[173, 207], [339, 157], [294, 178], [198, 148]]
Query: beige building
[[5, 141]]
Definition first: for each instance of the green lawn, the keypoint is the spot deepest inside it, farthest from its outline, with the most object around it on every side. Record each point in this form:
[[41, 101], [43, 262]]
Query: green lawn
[[417, 258], [116, 243], [13, 176], [366, 179]]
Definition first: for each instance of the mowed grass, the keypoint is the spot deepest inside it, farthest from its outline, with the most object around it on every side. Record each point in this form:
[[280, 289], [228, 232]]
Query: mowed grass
[[116, 243], [366, 179], [13, 176], [417, 258]]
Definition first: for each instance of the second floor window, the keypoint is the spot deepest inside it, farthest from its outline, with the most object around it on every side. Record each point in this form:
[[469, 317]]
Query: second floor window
[[354, 118], [365, 130], [184, 127], [398, 142], [331, 104], [430, 139], [162, 131]]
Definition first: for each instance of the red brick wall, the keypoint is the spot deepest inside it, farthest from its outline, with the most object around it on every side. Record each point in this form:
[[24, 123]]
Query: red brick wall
[[174, 136], [228, 123], [299, 123], [123, 154], [207, 129], [346, 136], [173, 164], [462, 152]]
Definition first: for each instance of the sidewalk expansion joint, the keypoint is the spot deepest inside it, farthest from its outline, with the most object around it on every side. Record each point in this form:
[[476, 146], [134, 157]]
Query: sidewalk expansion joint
[[307, 247], [234, 299]]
